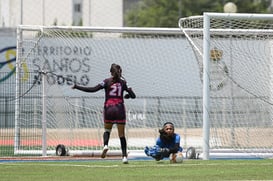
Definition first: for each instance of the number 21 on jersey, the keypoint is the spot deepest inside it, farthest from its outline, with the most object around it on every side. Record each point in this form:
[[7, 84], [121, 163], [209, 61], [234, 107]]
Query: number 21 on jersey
[[115, 89]]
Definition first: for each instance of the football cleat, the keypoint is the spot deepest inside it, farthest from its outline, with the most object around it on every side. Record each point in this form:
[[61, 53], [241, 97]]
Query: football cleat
[[104, 151], [125, 160]]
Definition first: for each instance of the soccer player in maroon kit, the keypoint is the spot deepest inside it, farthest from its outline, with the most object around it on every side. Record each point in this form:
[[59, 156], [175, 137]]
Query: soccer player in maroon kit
[[114, 108]]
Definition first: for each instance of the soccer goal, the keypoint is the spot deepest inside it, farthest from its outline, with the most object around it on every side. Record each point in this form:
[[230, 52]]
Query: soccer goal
[[157, 63], [225, 110], [234, 56]]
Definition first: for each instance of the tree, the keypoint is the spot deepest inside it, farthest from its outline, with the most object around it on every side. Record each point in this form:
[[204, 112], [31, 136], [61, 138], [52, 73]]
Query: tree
[[153, 13], [253, 6], [165, 13]]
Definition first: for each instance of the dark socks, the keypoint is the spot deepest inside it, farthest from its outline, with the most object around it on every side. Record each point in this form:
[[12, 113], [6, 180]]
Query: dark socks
[[123, 146], [106, 136]]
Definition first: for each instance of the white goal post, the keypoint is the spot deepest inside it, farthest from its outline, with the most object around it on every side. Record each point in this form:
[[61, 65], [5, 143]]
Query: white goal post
[[234, 53]]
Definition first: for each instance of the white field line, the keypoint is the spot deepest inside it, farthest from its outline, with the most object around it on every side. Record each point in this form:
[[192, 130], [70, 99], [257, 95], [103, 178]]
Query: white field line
[[135, 166]]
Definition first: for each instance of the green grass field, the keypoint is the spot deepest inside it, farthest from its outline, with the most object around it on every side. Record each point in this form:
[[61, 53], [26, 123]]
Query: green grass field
[[114, 170]]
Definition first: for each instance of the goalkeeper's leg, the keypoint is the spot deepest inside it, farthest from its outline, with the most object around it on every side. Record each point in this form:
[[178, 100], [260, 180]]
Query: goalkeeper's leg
[[154, 152]]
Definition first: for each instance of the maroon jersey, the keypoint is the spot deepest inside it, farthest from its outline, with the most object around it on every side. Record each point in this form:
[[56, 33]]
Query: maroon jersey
[[114, 109], [114, 91]]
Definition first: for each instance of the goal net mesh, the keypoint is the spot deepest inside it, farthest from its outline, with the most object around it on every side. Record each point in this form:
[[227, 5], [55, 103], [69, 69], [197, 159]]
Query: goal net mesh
[[240, 80], [157, 63]]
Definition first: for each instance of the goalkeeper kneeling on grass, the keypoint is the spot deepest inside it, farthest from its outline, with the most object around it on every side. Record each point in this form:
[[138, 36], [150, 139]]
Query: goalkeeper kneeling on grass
[[167, 145]]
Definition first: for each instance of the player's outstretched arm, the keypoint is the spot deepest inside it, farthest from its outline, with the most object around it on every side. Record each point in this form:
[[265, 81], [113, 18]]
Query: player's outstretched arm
[[87, 89]]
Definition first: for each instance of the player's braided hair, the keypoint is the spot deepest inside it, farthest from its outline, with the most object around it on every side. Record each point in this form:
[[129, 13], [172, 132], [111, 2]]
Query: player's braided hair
[[116, 72], [164, 136]]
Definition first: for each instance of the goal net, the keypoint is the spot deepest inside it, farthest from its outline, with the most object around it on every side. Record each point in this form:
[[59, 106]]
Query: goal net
[[234, 56], [157, 63]]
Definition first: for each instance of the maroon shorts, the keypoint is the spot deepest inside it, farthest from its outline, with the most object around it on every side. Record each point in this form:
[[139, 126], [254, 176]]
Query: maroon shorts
[[115, 114]]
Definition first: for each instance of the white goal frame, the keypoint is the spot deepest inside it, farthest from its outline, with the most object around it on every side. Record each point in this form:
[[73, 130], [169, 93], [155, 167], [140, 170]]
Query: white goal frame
[[207, 16], [44, 151]]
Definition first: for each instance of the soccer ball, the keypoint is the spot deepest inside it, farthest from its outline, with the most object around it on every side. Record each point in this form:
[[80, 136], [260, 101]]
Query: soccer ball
[[179, 157], [176, 157]]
